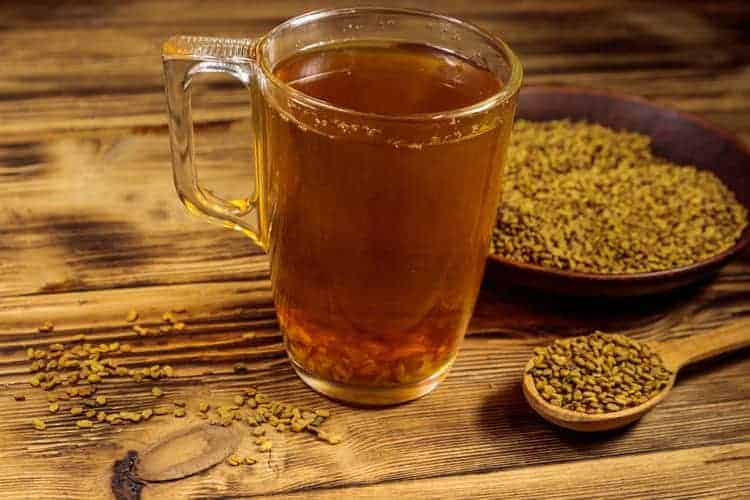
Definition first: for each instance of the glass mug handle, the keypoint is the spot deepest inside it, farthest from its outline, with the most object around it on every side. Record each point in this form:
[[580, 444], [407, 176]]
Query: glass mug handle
[[183, 58]]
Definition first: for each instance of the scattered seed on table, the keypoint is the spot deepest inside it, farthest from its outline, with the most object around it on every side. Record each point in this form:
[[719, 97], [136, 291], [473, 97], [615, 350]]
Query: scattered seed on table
[[38, 424], [84, 424], [132, 316], [157, 392], [47, 327]]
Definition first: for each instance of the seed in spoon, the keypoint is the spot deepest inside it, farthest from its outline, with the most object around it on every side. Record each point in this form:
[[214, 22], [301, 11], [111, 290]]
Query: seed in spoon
[[598, 373]]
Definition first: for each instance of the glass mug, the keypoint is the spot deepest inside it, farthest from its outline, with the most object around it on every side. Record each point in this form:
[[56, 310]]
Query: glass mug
[[377, 222]]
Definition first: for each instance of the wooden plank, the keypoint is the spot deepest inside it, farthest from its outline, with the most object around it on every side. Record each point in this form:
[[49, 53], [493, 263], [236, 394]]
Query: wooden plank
[[57, 92], [708, 472], [480, 406]]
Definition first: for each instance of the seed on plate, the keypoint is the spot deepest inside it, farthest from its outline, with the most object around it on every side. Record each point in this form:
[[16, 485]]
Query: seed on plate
[[234, 460], [54, 407], [101, 400], [132, 316], [179, 412], [157, 392]]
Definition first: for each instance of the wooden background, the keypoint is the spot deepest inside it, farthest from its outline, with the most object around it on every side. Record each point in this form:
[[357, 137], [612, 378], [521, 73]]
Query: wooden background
[[91, 227]]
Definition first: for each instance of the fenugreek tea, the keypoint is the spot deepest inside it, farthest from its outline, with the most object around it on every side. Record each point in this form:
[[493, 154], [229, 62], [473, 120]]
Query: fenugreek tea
[[583, 197], [598, 373], [379, 240]]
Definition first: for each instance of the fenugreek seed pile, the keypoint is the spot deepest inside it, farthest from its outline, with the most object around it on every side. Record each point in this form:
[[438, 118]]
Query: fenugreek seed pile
[[598, 373], [584, 197], [82, 368]]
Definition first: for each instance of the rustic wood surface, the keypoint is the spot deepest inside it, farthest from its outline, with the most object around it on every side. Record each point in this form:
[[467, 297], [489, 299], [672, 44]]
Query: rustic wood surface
[[91, 228]]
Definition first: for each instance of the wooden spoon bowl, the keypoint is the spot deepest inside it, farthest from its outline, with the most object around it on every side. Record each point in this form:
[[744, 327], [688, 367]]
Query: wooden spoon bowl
[[674, 353], [680, 137]]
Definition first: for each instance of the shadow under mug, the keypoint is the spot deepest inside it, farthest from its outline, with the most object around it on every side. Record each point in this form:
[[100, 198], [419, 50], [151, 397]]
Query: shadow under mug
[[377, 226]]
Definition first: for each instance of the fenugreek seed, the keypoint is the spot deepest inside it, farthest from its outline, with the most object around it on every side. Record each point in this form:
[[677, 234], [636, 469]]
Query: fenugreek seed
[[94, 378], [126, 348], [203, 406], [147, 413], [90, 413], [54, 407], [179, 412], [38, 424], [167, 371], [131, 416], [76, 410], [84, 424], [259, 431], [179, 326], [265, 445], [101, 400], [157, 392], [280, 428], [323, 413], [101, 416], [239, 400], [250, 461], [162, 410], [329, 438], [597, 383], [168, 317], [30, 353], [555, 168], [132, 316], [260, 398], [56, 347], [47, 327], [234, 460], [140, 330]]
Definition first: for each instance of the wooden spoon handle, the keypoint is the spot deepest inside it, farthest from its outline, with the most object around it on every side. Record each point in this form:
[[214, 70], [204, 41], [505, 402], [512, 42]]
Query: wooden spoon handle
[[680, 352]]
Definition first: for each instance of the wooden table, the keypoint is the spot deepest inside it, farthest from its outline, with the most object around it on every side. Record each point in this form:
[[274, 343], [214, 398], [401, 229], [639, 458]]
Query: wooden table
[[91, 228]]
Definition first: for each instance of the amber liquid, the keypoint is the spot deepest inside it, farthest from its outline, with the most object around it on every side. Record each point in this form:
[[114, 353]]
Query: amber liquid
[[379, 230]]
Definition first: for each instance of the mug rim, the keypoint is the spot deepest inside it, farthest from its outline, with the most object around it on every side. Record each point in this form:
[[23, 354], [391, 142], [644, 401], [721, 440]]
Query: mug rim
[[506, 92]]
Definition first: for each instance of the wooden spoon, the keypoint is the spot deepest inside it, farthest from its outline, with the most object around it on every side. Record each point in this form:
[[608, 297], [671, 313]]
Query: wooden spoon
[[675, 354]]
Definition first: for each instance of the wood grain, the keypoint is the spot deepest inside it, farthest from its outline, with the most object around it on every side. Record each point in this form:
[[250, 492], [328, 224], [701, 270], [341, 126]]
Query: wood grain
[[90, 228]]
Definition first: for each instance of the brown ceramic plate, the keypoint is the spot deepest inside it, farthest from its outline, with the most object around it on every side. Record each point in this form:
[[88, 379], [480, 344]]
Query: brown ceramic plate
[[677, 136]]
